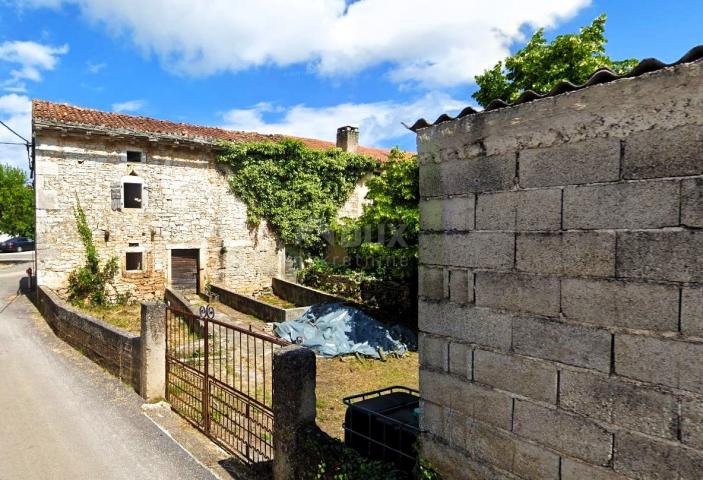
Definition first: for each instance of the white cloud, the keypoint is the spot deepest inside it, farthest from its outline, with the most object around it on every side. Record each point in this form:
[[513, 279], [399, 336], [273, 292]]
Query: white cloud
[[128, 106], [31, 59], [435, 43], [378, 122], [95, 68], [15, 111]]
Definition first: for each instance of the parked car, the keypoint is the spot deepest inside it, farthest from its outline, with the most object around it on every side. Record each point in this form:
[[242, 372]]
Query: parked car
[[17, 244]]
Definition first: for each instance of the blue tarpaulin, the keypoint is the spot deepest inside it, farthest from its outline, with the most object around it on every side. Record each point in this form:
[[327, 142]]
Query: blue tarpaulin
[[333, 329]]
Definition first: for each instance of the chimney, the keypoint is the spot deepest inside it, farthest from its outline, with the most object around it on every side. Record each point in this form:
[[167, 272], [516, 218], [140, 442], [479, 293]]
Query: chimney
[[348, 138]]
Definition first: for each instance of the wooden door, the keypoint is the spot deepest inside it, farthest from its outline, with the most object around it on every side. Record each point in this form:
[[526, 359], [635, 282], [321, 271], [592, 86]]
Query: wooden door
[[184, 270]]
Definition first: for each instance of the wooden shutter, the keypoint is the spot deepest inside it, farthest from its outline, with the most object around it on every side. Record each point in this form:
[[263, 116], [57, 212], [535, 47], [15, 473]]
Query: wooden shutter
[[117, 195]]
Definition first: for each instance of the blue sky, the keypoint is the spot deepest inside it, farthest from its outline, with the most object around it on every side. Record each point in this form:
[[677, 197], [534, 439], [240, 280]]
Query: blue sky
[[301, 67]]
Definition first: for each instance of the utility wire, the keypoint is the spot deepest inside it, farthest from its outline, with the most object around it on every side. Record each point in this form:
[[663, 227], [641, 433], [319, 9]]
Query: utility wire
[[5, 125], [13, 143]]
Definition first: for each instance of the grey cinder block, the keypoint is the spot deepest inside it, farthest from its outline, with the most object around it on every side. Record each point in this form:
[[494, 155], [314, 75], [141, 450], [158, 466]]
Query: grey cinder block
[[660, 361], [469, 324], [595, 160], [521, 375], [652, 204], [624, 404], [664, 255], [569, 253], [624, 304], [578, 345], [564, 432], [521, 210], [518, 293], [664, 153], [638, 456]]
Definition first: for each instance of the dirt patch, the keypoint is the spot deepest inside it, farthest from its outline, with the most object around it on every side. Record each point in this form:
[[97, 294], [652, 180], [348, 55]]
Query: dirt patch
[[127, 317], [338, 378]]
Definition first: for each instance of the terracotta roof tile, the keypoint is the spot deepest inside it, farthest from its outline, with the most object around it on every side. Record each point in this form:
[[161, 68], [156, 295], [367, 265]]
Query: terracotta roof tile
[[69, 115]]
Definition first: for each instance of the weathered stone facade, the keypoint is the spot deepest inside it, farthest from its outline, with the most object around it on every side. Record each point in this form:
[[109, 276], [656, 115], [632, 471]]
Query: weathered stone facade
[[560, 286], [187, 205]]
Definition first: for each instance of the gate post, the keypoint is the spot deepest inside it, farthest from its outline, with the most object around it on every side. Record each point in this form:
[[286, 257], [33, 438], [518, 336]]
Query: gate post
[[294, 375], [152, 371]]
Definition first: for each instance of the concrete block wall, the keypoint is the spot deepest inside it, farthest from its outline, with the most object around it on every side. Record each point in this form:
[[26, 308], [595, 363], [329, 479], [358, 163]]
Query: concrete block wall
[[561, 285]]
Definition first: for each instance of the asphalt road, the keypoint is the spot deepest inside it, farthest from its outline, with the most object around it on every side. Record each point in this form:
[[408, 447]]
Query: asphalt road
[[63, 417], [16, 257]]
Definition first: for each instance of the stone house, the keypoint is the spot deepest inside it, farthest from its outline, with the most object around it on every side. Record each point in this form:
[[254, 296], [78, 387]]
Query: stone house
[[154, 198]]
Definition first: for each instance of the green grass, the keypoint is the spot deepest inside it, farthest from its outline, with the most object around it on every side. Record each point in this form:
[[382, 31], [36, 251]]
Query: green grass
[[126, 317], [337, 379]]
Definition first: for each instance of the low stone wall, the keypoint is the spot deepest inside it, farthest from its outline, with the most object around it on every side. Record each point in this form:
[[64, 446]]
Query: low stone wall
[[257, 308], [302, 295], [386, 300], [176, 300], [115, 350]]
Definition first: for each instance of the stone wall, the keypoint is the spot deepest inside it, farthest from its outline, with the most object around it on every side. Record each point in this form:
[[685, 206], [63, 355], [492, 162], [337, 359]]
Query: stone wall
[[253, 306], [386, 300], [561, 285], [300, 294], [115, 350], [188, 205]]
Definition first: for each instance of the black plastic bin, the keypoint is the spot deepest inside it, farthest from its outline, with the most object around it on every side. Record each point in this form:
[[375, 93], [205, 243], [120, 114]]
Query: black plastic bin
[[383, 425]]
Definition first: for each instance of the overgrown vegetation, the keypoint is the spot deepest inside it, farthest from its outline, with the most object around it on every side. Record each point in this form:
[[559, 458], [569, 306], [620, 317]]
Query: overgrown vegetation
[[539, 66], [16, 203], [297, 189], [383, 241], [89, 283], [329, 459], [126, 316]]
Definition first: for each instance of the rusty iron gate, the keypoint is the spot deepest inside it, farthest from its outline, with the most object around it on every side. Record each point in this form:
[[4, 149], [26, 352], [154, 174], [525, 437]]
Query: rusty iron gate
[[219, 378]]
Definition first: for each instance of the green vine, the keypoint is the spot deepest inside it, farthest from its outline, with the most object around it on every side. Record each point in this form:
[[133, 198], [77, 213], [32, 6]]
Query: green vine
[[297, 189], [90, 281]]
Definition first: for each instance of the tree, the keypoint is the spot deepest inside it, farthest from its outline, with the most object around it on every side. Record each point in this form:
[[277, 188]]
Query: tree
[[16, 202], [383, 240], [539, 66]]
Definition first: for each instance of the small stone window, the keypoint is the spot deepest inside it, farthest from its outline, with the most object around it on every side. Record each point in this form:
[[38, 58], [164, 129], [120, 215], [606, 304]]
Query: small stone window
[[134, 261], [132, 195], [134, 156]]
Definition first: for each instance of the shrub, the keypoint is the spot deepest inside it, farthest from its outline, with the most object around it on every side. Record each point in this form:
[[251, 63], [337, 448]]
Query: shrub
[[90, 281], [383, 242]]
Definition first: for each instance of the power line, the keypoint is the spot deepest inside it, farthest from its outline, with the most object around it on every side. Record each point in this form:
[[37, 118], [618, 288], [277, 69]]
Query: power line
[[13, 143], [20, 136]]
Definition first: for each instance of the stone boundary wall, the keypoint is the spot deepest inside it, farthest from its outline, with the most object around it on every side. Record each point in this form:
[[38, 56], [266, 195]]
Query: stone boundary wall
[[389, 301], [174, 299], [302, 295], [561, 285], [252, 306], [113, 349]]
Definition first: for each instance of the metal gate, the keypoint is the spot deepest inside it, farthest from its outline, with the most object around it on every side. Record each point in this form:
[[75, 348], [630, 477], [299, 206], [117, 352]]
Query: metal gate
[[219, 378]]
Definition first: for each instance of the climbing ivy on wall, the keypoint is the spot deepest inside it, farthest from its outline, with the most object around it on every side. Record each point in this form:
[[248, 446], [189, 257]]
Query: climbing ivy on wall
[[298, 190], [89, 282]]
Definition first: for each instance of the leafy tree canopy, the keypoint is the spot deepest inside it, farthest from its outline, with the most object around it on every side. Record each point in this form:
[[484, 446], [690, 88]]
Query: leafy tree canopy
[[298, 190], [390, 224], [539, 66], [16, 202]]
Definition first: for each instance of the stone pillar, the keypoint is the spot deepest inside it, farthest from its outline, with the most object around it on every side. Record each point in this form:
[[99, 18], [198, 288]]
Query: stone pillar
[[294, 372], [152, 371]]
